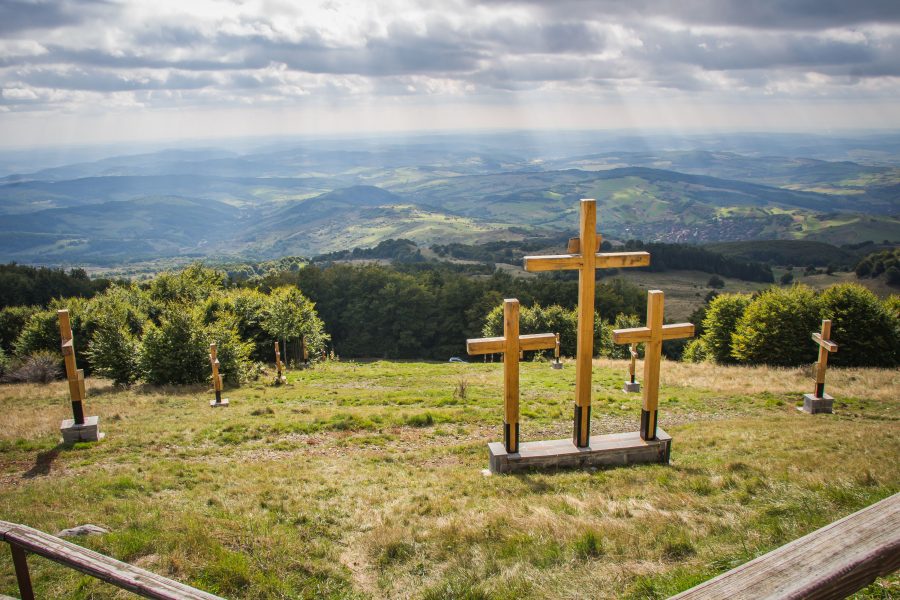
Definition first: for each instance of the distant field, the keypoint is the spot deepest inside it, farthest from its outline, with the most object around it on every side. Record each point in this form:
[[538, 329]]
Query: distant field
[[363, 480]]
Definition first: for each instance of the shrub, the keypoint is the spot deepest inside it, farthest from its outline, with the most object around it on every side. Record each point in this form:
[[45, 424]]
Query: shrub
[[775, 328], [4, 361], [866, 333], [719, 324], [12, 322], [40, 367], [624, 350], [176, 350], [695, 351], [715, 282], [113, 352]]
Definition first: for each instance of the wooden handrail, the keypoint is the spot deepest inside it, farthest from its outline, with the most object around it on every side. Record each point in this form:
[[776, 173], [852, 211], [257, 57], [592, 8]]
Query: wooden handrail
[[24, 539], [829, 563]]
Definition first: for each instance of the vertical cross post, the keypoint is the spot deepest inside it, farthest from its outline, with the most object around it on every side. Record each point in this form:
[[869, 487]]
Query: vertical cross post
[[511, 344], [216, 376], [652, 336], [279, 370], [584, 256], [826, 346], [631, 366], [74, 375]]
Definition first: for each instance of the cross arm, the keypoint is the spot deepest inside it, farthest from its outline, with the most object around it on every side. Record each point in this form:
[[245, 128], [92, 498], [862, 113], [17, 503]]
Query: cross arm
[[827, 344], [553, 262], [636, 335], [612, 260], [68, 347], [537, 341], [492, 345]]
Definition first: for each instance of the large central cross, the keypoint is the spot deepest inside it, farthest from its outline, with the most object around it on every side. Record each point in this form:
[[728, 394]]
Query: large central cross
[[584, 257], [652, 336], [826, 346], [510, 345]]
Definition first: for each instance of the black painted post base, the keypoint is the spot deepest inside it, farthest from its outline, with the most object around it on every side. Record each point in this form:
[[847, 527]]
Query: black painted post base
[[511, 437], [582, 415], [648, 424]]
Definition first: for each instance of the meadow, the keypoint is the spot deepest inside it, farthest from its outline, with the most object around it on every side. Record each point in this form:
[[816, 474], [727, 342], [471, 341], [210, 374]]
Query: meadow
[[365, 480]]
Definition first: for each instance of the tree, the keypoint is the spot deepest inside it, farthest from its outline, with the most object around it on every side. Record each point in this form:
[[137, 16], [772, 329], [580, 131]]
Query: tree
[[719, 324], [289, 314], [786, 278], [113, 349], [866, 333], [715, 282], [775, 328], [177, 350]]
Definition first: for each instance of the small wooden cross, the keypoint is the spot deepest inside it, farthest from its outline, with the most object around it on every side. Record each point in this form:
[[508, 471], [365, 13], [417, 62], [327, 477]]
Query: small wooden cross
[[826, 346], [216, 376], [279, 377], [557, 364], [305, 350], [652, 336], [510, 345], [585, 263], [74, 375]]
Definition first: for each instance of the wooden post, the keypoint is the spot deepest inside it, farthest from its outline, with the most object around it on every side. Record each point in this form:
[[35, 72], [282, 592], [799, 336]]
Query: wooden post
[[279, 377], [556, 363], [652, 336], [584, 256], [23, 578], [216, 376], [631, 366], [74, 375], [826, 346], [510, 345]]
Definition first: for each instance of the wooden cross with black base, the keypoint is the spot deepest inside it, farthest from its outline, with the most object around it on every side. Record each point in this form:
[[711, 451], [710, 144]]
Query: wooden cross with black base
[[217, 378], [820, 402], [511, 344], [79, 428]]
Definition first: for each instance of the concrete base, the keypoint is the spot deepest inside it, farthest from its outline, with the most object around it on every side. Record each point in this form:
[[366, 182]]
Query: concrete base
[[89, 432], [631, 388], [556, 365], [215, 404], [616, 449], [813, 405]]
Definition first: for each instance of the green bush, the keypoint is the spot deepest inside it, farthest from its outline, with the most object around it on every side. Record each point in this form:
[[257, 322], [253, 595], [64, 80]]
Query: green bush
[[176, 350], [12, 322], [775, 328], [866, 333], [4, 361], [624, 350], [696, 351], [113, 352], [722, 316]]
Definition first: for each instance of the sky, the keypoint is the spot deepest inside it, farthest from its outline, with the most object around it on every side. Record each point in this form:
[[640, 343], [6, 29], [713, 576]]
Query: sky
[[86, 71]]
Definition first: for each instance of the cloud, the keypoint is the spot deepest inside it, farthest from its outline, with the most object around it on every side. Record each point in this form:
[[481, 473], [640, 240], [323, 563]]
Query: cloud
[[92, 55]]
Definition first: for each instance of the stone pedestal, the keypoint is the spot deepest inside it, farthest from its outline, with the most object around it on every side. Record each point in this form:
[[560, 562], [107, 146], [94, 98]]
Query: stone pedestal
[[612, 450], [88, 432], [813, 405], [215, 404], [631, 387], [556, 365]]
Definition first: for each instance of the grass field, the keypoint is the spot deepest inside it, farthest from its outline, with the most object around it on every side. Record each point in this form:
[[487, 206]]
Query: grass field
[[364, 480]]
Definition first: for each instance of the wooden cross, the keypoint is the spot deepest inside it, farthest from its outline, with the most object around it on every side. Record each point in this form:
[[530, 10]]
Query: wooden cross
[[586, 263], [652, 336], [216, 376], [556, 349], [510, 345], [634, 356], [826, 346], [74, 375], [279, 376]]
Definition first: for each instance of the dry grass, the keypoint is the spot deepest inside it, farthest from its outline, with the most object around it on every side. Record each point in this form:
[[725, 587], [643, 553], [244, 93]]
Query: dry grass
[[364, 481]]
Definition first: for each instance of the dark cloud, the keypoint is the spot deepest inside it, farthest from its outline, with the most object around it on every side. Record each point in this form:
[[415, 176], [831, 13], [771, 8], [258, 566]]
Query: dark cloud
[[765, 14], [17, 16]]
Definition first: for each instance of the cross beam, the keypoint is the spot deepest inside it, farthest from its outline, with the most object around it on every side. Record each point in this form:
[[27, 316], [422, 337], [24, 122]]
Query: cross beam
[[652, 336], [74, 375], [585, 263], [510, 345], [826, 346]]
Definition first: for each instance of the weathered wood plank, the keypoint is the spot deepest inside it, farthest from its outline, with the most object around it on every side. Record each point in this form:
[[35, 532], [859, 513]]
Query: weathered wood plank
[[830, 563], [829, 345], [123, 575], [637, 335], [493, 345], [614, 260], [554, 262], [537, 341]]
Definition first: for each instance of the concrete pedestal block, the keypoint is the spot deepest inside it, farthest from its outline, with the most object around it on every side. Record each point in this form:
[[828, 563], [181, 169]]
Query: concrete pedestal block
[[556, 365], [612, 450], [631, 388], [88, 432], [813, 405], [215, 404]]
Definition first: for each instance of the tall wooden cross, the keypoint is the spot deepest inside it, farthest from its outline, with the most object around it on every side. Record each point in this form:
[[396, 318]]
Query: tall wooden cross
[[652, 336], [216, 376], [826, 346], [74, 375], [585, 262], [510, 345]]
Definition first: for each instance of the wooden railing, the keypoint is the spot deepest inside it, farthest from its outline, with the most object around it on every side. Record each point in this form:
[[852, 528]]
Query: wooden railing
[[830, 563], [22, 540]]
